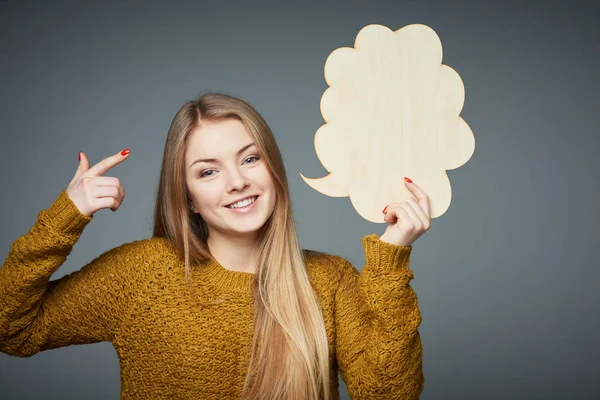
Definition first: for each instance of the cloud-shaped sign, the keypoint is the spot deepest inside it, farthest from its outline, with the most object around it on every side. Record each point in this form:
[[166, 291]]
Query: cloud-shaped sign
[[391, 110]]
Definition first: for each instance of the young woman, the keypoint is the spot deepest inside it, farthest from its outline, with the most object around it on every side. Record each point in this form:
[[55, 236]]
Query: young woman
[[221, 302]]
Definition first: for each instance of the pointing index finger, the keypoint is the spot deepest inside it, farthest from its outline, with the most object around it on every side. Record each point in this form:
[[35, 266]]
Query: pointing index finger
[[108, 163]]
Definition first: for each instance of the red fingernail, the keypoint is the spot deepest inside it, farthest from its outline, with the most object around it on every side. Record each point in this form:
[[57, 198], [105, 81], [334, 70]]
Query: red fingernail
[[407, 180], [125, 152], [384, 209], [79, 156]]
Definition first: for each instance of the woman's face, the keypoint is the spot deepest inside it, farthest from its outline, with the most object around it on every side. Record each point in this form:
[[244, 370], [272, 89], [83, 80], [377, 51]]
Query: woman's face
[[232, 170]]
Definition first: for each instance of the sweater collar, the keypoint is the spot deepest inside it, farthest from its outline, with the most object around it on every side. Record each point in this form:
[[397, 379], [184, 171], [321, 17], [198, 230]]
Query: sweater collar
[[226, 280]]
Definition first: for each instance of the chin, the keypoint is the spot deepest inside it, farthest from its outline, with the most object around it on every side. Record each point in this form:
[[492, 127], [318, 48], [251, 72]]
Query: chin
[[250, 226], [242, 232]]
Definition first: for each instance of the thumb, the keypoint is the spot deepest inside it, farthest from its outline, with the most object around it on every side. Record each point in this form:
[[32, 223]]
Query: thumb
[[386, 217], [84, 165], [389, 218]]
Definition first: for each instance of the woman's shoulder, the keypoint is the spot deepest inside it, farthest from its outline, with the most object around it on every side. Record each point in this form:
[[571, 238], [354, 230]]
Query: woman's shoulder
[[142, 258], [324, 260], [326, 266], [148, 249]]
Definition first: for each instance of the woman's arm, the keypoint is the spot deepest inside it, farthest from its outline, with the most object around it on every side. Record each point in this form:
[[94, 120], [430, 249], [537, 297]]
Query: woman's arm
[[378, 345], [83, 307]]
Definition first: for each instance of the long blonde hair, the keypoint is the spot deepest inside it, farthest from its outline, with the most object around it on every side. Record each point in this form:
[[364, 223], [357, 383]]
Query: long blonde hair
[[293, 362]]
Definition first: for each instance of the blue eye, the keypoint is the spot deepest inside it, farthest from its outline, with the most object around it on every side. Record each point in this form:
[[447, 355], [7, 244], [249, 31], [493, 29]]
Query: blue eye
[[251, 158], [205, 173]]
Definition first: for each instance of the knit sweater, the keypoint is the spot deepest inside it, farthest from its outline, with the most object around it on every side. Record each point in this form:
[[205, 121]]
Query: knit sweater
[[169, 346]]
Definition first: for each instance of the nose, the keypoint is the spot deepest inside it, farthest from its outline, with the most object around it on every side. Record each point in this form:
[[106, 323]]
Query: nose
[[237, 181]]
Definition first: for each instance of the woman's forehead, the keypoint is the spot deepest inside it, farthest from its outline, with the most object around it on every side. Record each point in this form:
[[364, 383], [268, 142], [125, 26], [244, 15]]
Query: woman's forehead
[[218, 139]]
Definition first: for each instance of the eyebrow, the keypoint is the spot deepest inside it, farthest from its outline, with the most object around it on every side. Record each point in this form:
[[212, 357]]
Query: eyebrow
[[208, 160]]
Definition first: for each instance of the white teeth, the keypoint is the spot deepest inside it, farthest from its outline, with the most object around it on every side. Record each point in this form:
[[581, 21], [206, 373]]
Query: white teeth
[[242, 203]]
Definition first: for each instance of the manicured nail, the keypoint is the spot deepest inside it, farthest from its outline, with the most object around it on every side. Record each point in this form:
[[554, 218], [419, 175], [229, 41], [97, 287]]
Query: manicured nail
[[407, 180], [384, 209], [125, 152], [79, 156]]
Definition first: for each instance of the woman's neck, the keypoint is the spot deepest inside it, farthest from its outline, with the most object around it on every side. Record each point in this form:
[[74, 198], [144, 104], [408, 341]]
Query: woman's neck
[[234, 253]]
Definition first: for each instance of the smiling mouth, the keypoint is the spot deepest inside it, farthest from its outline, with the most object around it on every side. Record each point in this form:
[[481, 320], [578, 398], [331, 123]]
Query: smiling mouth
[[244, 206]]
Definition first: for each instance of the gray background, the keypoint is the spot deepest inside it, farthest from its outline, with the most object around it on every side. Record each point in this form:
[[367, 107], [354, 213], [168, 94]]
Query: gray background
[[506, 279]]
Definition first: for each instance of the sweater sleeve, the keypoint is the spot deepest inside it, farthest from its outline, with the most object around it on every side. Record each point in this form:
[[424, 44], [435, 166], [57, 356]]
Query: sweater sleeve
[[86, 306], [378, 347]]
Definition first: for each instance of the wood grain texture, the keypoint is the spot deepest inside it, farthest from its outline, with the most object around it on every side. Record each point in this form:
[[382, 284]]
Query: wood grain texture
[[391, 110]]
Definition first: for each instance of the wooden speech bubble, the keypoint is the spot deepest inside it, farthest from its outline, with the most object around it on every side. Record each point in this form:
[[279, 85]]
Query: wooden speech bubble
[[391, 110]]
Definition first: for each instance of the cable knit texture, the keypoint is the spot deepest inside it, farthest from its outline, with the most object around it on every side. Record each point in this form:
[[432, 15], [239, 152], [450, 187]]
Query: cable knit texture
[[171, 347]]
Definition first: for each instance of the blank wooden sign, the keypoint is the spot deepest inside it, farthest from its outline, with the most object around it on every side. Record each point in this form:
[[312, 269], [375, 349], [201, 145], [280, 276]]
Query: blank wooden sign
[[391, 110]]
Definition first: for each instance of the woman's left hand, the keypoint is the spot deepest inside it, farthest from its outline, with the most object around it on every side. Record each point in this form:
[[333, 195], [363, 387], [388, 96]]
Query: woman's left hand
[[408, 219]]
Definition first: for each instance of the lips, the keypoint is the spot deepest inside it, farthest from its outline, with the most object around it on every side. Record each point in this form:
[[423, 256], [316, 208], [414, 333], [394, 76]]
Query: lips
[[242, 199]]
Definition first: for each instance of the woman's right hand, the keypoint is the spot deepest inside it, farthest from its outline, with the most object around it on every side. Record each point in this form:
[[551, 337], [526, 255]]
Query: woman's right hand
[[90, 191]]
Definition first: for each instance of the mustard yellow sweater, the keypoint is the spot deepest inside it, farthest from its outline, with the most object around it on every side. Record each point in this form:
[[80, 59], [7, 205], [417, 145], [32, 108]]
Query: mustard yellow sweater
[[169, 347]]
